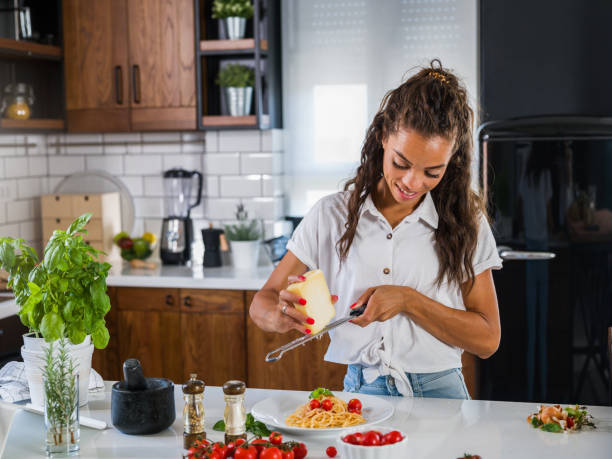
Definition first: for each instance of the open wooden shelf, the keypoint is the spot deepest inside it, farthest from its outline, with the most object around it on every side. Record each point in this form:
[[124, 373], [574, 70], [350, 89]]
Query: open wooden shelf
[[221, 120], [26, 49], [246, 45], [47, 124]]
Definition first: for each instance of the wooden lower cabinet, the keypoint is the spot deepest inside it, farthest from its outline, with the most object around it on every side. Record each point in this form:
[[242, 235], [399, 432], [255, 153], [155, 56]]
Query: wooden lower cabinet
[[214, 337], [106, 361], [300, 369]]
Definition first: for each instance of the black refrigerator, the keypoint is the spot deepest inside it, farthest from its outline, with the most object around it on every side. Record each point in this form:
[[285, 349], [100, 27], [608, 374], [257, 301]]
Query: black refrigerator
[[548, 184]]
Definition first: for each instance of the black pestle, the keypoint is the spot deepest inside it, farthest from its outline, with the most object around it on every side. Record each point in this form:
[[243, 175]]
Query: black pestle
[[133, 375]]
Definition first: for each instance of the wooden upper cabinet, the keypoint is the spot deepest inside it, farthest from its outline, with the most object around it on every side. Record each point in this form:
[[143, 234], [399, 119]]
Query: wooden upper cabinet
[[129, 65], [162, 64], [96, 65]]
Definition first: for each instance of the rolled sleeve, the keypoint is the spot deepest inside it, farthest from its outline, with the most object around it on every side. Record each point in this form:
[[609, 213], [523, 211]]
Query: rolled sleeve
[[304, 241], [486, 256]]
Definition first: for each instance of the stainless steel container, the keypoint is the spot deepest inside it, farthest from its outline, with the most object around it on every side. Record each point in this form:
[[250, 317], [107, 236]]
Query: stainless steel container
[[239, 100], [235, 27]]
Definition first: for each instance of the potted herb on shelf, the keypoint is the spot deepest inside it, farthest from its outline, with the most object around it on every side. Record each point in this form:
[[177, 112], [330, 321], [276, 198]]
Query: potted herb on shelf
[[237, 80], [61, 297], [234, 14], [245, 240]]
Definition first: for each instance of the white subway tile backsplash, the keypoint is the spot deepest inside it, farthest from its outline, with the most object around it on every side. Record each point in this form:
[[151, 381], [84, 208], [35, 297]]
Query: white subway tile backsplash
[[153, 186], [19, 211], [2, 213], [16, 167], [271, 185], [189, 162], [116, 149], [221, 164], [220, 209], [137, 228], [2, 168], [211, 186], [10, 230], [83, 149], [53, 182], [30, 231], [31, 187], [264, 208], [196, 147], [13, 150], [140, 165], [148, 207], [37, 145], [134, 149], [38, 165], [272, 140], [212, 141], [240, 186], [66, 165], [133, 137], [8, 190], [8, 139], [193, 137], [260, 163], [161, 148], [83, 138], [239, 140], [111, 164], [161, 137], [133, 184]]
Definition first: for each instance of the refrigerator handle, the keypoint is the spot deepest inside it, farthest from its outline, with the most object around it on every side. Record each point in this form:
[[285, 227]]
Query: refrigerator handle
[[506, 253]]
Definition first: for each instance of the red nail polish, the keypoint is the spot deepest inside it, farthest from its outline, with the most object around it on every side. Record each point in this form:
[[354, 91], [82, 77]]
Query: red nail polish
[[308, 331], [302, 301], [310, 321], [353, 305], [302, 278]]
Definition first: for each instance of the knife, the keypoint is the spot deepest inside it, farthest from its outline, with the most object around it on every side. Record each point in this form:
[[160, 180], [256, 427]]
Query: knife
[[271, 357]]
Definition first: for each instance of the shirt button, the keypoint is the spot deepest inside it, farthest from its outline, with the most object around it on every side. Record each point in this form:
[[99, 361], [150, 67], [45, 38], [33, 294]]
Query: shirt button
[[389, 236], [386, 270]]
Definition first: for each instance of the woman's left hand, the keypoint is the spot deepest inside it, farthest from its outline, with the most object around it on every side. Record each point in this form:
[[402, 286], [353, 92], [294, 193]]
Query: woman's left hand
[[384, 302]]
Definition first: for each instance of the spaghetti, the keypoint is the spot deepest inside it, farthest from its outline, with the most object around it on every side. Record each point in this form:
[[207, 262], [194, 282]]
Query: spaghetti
[[319, 418]]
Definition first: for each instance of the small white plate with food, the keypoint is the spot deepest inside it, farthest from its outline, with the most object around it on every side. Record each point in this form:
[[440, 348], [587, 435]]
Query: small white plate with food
[[321, 411]]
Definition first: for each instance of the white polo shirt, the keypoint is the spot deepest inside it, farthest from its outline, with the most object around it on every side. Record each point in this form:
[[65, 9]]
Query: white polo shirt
[[380, 255]]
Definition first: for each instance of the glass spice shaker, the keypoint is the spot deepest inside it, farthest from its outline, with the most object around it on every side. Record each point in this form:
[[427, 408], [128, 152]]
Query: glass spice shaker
[[235, 414], [193, 411]]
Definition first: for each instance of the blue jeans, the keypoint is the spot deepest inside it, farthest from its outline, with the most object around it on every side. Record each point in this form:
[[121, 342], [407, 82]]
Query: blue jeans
[[443, 384]]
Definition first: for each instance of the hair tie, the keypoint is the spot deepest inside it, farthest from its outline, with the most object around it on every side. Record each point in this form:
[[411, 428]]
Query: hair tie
[[438, 76]]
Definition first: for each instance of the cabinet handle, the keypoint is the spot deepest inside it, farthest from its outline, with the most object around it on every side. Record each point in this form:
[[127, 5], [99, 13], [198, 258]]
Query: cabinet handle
[[187, 301], [118, 85], [169, 300], [136, 83]]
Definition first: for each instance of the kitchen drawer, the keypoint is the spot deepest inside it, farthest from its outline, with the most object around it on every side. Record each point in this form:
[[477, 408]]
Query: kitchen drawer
[[212, 301], [56, 205], [83, 203], [153, 299], [51, 224], [98, 245]]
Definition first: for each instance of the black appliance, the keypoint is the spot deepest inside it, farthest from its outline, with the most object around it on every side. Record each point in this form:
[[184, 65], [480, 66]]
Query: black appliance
[[177, 227], [548, 182], [212, 247]]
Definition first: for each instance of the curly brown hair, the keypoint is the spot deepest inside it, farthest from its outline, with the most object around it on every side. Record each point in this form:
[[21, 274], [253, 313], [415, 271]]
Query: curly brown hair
[[433, 102]]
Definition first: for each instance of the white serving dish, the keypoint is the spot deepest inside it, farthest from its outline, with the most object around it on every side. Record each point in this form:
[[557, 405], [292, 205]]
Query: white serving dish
[[397, 450]]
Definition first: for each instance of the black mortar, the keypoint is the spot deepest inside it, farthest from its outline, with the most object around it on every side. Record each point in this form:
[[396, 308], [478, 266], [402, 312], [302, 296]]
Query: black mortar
[[142, 405]]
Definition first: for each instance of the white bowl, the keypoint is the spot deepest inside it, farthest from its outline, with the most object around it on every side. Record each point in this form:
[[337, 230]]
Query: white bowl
[[392, 451]]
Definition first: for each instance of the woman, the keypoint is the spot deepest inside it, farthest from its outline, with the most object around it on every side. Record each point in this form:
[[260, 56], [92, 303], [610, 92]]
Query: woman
[[408, 236]]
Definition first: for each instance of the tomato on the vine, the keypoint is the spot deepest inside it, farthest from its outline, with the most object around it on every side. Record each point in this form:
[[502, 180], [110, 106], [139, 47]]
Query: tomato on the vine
[[314, 404], [245, 451], [271, 452], [300, 451], [354, 406], [275, 438], [288, 454], [327, 404], [259, 444], [331, 451], [239, 442]]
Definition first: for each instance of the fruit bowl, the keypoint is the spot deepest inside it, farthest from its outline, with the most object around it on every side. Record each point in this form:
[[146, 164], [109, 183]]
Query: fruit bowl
[[139, 248], [395, 450]]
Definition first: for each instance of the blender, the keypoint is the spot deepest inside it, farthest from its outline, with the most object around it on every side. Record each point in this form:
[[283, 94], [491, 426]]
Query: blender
[[177, 227]]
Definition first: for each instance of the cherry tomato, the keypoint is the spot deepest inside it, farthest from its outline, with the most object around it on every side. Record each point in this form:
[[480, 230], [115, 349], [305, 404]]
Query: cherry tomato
[[392, 437], [271, 452], [259, 444], [314, 404], [288, 454], [245, 451], [354, 406], [372, 438], [300, 451], [327, 404], [350, 438], [570, 422], [358, 438], [275, 438], [331, 451], [239, 442], [222, 449]]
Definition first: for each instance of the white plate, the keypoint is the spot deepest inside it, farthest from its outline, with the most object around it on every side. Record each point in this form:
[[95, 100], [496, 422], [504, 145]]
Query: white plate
[[274, 410]]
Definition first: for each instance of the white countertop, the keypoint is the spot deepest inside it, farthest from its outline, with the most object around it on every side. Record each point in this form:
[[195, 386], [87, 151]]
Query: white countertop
[[436, 428], [185, 277]]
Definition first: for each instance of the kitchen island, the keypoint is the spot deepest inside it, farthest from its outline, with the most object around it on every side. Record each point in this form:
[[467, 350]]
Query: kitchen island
[[436, 428]]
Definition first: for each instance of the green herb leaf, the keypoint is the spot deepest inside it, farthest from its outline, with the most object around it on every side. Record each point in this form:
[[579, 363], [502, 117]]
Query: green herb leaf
[[100, 335], [7, 255], [78, 225], [219, 426], [552, 427], [320, 392], [535, 422], [259, 428], [52, 326]]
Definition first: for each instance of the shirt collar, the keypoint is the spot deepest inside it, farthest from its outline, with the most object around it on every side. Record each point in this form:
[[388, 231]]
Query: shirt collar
[[426, 211]]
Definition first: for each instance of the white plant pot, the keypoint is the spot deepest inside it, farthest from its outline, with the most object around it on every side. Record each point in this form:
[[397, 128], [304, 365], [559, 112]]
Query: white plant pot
[[239, 100], [33, 353], [235, 27], [245, 254]]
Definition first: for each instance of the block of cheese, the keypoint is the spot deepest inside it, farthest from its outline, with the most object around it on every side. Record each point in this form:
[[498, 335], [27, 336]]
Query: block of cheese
[[318, 299]]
